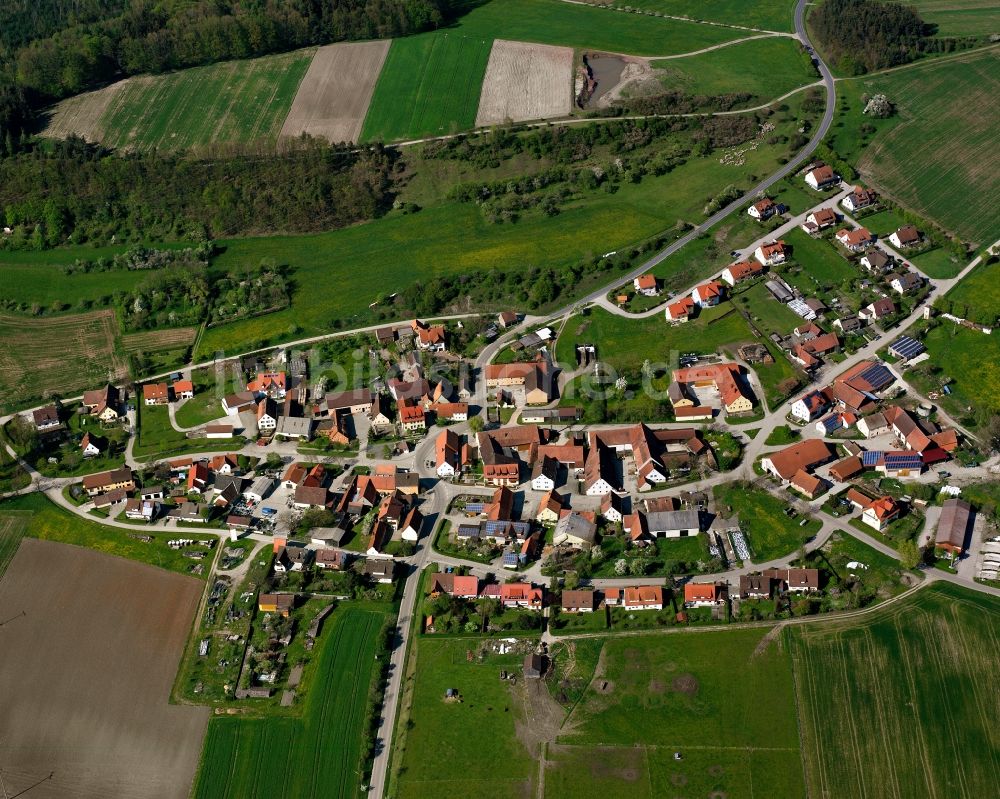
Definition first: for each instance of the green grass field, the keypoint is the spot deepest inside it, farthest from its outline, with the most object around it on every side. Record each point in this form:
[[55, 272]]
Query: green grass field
[[960, 17], [449, 238], [457, 747], [979, 290], [896, 705], [767, 313], [156, 437], [939, 263], [49, 522], [822, 265], [229, 102], [775, 15], [318, 753], [625, 343], [937, 156], [429, 86], [765, 68], [555, 22], [770, 533], [972, 361]]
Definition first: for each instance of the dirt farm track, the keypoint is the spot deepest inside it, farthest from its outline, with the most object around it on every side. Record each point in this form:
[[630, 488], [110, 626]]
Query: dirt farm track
[[89, 646]]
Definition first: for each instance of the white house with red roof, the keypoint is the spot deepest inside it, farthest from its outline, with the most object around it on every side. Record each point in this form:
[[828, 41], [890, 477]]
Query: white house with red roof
[[708, 294], [763, 209], [855, 240], [740, 271], [821, 177], [646, 285], [680, 311], [771, 252]]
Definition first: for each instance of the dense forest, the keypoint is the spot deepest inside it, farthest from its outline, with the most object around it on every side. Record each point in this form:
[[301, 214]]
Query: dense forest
[[55, 49], [862, 36], [78, 192]]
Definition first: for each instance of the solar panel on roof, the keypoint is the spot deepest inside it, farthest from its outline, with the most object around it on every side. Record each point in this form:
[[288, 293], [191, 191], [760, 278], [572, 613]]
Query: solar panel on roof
[[902, 461], [870, 458], [475, 507], [876, 375], [907, 347]]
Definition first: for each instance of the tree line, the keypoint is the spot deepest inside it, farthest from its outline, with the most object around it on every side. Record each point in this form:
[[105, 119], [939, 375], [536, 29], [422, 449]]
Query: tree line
[[63, 47], [75, 192], [862, 36]]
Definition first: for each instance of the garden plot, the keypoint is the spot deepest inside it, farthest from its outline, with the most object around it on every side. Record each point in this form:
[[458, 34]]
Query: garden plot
[[334, 95], [526, 81]]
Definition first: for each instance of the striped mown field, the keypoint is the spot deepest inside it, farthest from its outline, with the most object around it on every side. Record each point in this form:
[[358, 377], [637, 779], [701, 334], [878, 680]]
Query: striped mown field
[[234, 102], [903, 703]]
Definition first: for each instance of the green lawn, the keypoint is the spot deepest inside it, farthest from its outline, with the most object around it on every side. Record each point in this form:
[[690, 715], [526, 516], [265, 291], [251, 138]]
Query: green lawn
[[782, 436], [978, 293], [456, 747], [206, 404], [822, 264], [625, 343], [770, 533], [767, 313], [228, 102], [775, 15], [683, 690], [882, 223], [321, 748], [915, 669], [429, 86], [49, 522], [939, 263], [936, 156], [972, 361], [555, 22], [37, 277], [156, 437], [764, 68]]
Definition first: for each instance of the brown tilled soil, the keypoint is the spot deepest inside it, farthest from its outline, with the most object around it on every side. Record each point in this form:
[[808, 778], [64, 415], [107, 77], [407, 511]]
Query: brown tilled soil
[[539, 717], [85, 677], [81, 115], [334, 95], [526, 81]]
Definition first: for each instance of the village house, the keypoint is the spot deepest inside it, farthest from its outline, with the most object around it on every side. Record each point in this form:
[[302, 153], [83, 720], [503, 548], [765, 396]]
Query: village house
[[855, 240], [877, 513], [550, 508], [807, 484], [507, 319], [535, 377], [379, 570], [545, 473], [452, 411], [104, 403], [763, 209], [878, 310], [707, 294], [577, 601], [334, 559], [141, 510], [91, 446], [876, 261], [740, 271], [802, 456], [267, 415], [771, 252], [643, 597], [810, 406], [702, 595], [673, 523], [818, 220], [726, 378], [448, 451], [412, 417], [183, 389], [198, 477], [646, 285], [680, 311], [756, 586], [282, 604], [851, 323], [269, 384], [905, 282], [613, 507], [95, 484], [796, 581], [906, 236], [155, 394], [859, 198], [821, 177], [575, 529], [430, 338], [522, 595], [46, 420], [843, 470]]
